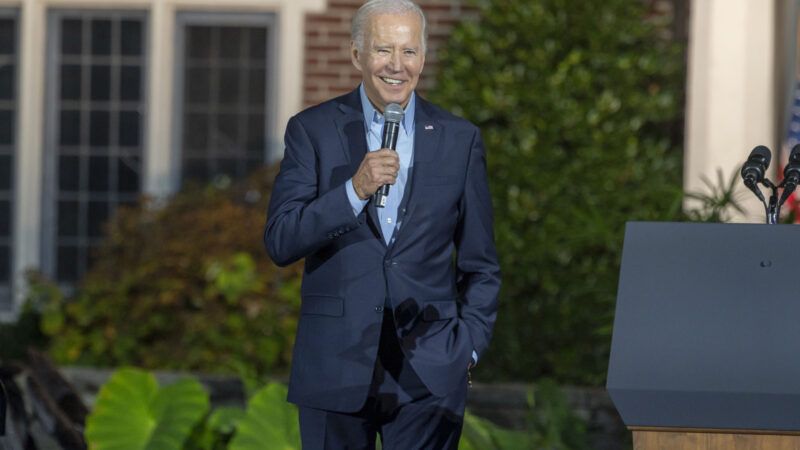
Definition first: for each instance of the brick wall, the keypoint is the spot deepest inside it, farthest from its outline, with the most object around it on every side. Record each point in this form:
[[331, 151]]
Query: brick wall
[[328, 70]]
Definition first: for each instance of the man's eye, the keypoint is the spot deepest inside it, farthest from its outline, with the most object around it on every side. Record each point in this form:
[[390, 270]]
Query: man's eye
[[410, 53], [383, 51]]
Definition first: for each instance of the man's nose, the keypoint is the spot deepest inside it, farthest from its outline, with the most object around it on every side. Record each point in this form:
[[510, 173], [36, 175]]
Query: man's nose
[[395, 64]]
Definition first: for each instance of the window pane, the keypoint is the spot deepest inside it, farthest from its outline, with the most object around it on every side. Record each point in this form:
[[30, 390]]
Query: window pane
[[6, 127], [255, 132], [228, 132], [98, 215], [198, 85], [70, 128], [7, 82], [5, 265], [5, 218], [68, 264], [130, 83], [68, 214], [258, 44], [128, 170], [99, 122], [196, 133], [6, 167], [101, 37], [198, 40], [69, 172], [98, 174], [257, 83], [228, 86], [71, 36], [7, 37], [131, 37], [129, 122], [70, 82], [230, 42], [101, 83]]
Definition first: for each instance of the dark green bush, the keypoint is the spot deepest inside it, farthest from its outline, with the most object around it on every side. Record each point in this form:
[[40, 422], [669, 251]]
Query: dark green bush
[[185, 285], [579, 103]]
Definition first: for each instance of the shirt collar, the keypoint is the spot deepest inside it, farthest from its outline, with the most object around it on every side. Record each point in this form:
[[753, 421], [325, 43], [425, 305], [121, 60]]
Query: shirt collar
[[372, 115]]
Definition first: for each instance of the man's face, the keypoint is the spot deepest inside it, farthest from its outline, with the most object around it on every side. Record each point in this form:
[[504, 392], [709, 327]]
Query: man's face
[[392, 58]]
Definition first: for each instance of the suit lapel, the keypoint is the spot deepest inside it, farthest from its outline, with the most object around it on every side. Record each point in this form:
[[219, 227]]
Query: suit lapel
[[427, 139], [354, 144]]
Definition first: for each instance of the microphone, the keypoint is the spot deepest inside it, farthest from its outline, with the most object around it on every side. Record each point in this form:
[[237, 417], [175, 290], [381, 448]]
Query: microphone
[[392, 115], [791, 174], [755, 167]]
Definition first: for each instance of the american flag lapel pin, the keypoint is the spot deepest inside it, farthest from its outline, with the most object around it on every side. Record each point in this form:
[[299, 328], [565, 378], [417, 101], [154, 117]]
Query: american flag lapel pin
[[428, 127]]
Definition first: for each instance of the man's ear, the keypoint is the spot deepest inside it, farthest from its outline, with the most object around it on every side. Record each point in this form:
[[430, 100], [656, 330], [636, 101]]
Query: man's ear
[[354, 54]]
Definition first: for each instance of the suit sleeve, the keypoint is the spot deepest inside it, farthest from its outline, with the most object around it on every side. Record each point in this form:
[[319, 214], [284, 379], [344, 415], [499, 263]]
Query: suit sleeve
[[301, 219], [478, 270]]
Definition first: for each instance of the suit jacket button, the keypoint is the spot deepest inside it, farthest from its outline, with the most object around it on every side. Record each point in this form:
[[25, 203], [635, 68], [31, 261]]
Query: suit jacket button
[[379, 309]]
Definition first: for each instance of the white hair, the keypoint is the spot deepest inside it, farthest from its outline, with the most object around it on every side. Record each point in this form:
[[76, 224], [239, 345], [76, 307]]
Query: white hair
[[377, 7]]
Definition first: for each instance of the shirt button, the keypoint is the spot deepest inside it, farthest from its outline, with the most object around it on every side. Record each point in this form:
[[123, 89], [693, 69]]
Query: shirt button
[[388, 220]]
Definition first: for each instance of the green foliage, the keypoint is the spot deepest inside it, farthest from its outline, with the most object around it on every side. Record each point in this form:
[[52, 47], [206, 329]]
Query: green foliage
[[217, 430], [552, 425], [183, 285], [270, 422], [718, 201], [480, 434], [133, 413], [552, 422], [578, 103]]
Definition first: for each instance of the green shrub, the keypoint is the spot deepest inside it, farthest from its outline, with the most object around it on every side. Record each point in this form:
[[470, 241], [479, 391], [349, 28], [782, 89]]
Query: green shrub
[[183, 286], [578, 103]]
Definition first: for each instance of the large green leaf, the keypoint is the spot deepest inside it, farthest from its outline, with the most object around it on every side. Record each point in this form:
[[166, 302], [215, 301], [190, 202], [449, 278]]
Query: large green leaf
[[270, 422], [132, 413], [480, 434]]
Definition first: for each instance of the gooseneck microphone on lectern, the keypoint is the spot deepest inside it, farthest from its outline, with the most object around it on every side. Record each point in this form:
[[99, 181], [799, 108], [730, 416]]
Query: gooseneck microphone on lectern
[[755, 168], [392, 115], [791, 174]]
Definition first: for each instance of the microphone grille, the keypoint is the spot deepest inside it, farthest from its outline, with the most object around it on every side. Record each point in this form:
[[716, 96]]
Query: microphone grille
[[393, 113]]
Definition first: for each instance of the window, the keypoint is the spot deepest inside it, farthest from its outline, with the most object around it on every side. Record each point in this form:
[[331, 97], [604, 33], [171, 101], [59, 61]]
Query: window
[[8, 107], [95, 136], [223, 94]]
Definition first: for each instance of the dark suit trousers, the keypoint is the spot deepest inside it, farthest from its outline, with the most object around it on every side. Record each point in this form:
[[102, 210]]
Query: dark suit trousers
[[399, 408]]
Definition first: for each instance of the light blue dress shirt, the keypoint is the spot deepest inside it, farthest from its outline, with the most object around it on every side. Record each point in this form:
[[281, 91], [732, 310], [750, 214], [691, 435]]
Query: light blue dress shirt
[[373, 121]]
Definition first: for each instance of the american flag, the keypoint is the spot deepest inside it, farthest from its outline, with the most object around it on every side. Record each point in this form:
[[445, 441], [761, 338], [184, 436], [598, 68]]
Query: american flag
[[792, 139]]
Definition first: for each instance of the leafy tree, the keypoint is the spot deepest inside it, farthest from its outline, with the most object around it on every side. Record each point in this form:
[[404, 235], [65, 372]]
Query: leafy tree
[[578, 103]]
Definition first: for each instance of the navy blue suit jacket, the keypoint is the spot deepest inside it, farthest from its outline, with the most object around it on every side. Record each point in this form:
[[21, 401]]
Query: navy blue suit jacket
[[440, 274]]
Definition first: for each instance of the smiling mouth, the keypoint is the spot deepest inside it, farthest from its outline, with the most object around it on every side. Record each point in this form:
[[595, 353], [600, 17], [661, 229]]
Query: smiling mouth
[[391, 81]]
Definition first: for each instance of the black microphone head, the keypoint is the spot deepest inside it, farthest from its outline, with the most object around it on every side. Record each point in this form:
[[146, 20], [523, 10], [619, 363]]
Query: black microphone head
[[763, 153], [755, 168], [394, 113], [792, 170], [794, 155]]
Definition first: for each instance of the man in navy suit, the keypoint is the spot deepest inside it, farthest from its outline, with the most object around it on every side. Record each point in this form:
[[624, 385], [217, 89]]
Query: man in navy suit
[[398, 302]]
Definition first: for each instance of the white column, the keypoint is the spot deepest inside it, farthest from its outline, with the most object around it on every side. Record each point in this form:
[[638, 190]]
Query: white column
[[160, 156], [730, 92], [30, 122]]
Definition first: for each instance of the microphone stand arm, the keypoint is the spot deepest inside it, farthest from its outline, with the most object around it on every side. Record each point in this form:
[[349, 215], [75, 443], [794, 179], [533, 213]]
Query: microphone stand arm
[[773, 209]]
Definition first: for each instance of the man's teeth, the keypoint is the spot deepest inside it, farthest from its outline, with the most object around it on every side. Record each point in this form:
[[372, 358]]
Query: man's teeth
[[391, 80]]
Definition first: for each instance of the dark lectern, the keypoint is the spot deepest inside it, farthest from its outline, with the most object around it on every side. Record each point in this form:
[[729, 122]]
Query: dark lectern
[[706, 346]]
